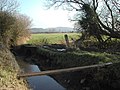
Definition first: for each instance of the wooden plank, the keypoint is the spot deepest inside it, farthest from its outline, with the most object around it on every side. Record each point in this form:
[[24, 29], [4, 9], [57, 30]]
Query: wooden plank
[[62, 70]]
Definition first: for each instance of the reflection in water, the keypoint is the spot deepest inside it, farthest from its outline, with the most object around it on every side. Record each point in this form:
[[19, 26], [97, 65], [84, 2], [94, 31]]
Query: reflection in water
[[41, 82]]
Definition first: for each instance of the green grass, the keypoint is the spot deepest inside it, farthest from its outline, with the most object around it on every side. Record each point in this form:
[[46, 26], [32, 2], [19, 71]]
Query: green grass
[[77, 58], [51, 38]]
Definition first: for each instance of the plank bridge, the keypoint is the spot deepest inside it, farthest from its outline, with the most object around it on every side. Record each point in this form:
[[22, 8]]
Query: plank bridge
[[50, 72]]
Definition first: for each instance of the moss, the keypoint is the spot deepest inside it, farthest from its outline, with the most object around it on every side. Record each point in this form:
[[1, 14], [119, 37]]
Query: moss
[[103, 78], [77, 58], [108, 76]]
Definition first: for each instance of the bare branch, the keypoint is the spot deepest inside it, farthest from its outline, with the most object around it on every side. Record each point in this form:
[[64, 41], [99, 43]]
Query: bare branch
[[8, 5], [58, 3], [117, 5], [95, 4], [111, 13]]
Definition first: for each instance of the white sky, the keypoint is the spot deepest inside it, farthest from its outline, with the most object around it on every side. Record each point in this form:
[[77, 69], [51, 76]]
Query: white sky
[[50, 18], [43, 18]]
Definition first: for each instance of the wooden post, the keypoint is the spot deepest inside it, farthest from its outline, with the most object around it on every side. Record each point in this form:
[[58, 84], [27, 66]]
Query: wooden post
[[50, 72], [67, 40]]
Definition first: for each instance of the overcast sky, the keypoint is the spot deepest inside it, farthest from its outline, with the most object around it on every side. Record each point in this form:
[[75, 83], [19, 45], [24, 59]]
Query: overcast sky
[[43, 18]]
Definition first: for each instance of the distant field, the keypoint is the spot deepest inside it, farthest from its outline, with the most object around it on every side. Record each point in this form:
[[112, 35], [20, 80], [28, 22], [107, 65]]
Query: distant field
[[51, 38]]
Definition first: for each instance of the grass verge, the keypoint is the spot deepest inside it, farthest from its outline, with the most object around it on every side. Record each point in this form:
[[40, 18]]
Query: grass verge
[[8, 72]]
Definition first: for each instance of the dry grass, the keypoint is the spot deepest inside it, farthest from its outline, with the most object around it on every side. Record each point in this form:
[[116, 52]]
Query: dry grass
[[8, 72]]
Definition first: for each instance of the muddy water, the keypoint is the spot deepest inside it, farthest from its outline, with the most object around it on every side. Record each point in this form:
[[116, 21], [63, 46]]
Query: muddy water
[[39, 82]]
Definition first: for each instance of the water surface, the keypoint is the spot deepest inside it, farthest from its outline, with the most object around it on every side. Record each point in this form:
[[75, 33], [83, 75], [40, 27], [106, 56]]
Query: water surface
[[41, 82]]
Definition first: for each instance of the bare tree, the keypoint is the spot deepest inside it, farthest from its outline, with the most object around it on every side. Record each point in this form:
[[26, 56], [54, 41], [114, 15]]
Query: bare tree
[[13, 25], [96, 17], [21, 29], [7, 9]]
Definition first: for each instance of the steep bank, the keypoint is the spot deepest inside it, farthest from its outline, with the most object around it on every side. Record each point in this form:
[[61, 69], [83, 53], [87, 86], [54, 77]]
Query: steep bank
[[101, 78], [8, 72]]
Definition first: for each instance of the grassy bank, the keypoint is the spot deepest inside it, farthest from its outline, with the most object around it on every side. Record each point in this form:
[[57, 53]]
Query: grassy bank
[[101, 78], [77, 58], [8, 72], [51, 38]]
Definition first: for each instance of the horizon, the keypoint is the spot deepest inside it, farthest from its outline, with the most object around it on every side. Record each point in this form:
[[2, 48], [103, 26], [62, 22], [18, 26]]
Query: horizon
[[52, 30], [52, 27]]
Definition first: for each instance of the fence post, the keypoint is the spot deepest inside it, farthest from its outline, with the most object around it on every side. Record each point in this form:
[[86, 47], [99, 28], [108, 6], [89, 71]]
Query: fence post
[[67, 40]]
